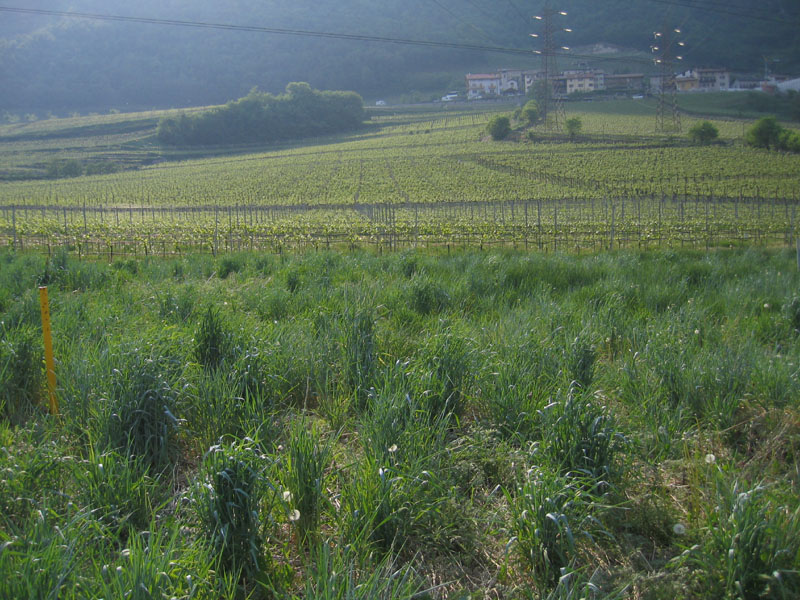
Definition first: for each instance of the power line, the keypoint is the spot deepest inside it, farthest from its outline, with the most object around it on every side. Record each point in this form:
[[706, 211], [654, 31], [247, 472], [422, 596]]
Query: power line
[[269, 30], [719, 8], [462, 20], [519, 12], [317, 34]]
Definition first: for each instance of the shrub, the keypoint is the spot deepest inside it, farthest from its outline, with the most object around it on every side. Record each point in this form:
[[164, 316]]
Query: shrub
[[574, 126], [499, 128], [764, 134], [703, 133], [530, 112]]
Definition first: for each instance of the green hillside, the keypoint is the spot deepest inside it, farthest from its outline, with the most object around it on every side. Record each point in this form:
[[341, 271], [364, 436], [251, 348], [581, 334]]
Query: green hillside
[[63, 64]]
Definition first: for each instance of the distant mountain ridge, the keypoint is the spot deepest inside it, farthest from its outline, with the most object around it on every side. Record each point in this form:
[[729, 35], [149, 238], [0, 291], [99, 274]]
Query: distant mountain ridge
[[59, 63]]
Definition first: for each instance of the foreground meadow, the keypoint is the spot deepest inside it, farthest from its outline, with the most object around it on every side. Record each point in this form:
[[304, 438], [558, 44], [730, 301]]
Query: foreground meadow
[[469, 425]]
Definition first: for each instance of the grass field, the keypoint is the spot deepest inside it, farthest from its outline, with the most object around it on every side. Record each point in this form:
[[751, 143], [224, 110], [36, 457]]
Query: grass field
[[329, 425], [266, 401]]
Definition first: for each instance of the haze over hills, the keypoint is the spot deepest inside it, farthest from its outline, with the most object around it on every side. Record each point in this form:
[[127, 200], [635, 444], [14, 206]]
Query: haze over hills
[[57, 63]]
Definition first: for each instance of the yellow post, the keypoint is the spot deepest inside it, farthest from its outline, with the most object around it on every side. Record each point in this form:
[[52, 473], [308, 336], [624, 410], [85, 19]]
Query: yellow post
[[48, 350]]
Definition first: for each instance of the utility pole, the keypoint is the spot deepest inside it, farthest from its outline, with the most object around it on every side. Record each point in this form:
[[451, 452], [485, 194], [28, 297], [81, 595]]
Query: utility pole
[[551, 106], [668, 119]]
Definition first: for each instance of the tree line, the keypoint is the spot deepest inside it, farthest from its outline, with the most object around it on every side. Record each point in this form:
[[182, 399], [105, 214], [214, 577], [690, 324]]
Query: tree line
[[301, 112]]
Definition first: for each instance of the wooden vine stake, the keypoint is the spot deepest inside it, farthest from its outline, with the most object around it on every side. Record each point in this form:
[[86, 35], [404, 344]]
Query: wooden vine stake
[[48, 350]]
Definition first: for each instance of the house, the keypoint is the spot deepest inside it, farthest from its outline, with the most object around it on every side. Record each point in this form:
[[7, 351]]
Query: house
[[584, 81], [697, 80], [483, 84], [790, 85], [747, 83], [511, 81], [627, 82], [687, 82], [712, 80], [531, 77]]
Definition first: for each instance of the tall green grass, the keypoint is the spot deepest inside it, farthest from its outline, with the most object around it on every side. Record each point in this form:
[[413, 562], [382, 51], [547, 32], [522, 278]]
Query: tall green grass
[[384, 426]]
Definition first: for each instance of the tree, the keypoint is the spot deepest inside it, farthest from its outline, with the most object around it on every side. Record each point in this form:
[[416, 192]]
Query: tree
[[703, 133], [574, 126], [789, 141], [765, 133], [540, 92], [530, 112], [499, 128]]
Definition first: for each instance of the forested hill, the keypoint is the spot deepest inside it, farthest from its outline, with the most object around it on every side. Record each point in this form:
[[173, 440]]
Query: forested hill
[[68, 64]]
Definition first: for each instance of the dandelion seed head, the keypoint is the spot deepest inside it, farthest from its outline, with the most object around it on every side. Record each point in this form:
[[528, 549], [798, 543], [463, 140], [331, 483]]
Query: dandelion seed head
[[287, 496], [392, 448], [679, 529], [294, 515], [710, 459]]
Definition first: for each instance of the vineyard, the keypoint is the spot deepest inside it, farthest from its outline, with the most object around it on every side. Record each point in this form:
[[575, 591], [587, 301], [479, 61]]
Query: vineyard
[[408, 179]]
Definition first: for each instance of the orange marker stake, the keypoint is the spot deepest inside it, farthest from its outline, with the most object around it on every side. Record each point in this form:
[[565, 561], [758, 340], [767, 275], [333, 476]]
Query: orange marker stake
[[48, 350]]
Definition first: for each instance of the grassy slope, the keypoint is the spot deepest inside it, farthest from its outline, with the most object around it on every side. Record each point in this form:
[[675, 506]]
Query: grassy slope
[[444, 390]]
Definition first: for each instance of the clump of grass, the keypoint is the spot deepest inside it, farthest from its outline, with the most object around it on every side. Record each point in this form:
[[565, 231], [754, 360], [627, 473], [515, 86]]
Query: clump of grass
[[445, 374], [118, 490], [44, 559], [293, 280], [160, 565], [580, 358], [580, 437], [427, 296], [750, 546], [140, 419], [32, 474], [357, 343], [549, 513], [232, 501], [337, 571], [177, 307], [305, 476], [370, 506], [791, 312], [20, 372], [228, 265], [213, 342]]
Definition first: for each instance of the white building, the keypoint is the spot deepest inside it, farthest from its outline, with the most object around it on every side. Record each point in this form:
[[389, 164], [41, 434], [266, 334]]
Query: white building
[[791, 84], [712, 80], [511, 80], [483, 84], [585, 81], [531, 77]]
